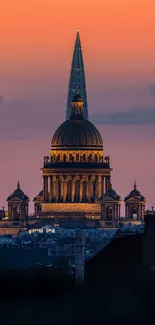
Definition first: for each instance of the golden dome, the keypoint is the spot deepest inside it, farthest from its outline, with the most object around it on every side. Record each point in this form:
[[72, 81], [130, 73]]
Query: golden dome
[[77, 132]]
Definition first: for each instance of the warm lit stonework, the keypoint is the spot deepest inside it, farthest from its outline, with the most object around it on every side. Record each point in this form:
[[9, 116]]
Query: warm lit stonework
[[77, 175]]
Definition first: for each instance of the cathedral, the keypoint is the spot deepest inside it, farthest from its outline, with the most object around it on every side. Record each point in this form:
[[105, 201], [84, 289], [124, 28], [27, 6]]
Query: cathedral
[[77, 173]]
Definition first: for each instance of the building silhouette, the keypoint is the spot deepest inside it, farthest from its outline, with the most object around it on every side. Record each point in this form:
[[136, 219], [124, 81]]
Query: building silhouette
[[77, 82], [18, 203]]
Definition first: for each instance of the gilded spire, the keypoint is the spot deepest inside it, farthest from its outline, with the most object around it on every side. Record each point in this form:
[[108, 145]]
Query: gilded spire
[[18, 184], [77, 83]]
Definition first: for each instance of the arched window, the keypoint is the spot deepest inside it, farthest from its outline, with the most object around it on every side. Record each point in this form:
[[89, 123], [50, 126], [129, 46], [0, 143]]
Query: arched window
[[77, 191], [134, 213], [109, 213], [69, 191], [16, 213], [84, 191]]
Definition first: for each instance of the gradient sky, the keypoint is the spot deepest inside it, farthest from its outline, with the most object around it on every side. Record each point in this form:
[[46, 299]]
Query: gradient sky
[[36, 45]]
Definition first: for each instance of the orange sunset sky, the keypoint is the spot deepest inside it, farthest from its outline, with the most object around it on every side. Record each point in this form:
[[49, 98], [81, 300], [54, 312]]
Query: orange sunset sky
[[118, 32], [36, 46]]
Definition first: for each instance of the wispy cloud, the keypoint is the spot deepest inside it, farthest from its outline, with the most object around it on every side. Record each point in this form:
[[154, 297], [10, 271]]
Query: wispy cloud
[[136, 116], [152, 90]]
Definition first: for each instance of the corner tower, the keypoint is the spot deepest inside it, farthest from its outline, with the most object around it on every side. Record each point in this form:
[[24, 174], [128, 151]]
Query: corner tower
[[77, 83]]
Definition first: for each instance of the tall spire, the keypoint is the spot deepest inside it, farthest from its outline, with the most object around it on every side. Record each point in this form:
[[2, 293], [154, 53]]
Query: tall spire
[[77, 83], [18, 184]]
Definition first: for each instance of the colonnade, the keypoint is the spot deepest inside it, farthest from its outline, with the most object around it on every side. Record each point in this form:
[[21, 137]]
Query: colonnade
[[60, 188], [139, 210], [18, 212], [111, 212]]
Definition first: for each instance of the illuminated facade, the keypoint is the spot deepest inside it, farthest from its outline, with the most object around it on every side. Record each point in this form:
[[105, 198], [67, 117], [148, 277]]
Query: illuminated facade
[[77, 82], [77, 175]]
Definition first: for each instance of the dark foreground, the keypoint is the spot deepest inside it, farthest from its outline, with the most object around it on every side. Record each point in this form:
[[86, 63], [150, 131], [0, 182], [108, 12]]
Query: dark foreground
[[117, 291]]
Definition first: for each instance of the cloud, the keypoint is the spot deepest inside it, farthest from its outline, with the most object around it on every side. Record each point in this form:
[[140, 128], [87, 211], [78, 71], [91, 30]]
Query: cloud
[[152, 90], [136, 116]]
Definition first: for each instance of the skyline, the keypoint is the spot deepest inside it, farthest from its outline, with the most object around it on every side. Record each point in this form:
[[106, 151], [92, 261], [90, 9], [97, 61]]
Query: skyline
[[36, 51]]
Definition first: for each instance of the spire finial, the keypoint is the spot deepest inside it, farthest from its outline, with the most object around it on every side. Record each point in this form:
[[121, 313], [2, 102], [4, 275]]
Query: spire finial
[[18, 184], [135, 185], [77, 107]]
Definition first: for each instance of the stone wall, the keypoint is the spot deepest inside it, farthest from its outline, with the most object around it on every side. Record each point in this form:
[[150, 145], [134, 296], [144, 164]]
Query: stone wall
[[90, 208]]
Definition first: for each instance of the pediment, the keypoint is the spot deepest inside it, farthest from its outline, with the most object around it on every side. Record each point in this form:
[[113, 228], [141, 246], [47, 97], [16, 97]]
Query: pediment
[[15, 199], [107, 199], [133, 199]]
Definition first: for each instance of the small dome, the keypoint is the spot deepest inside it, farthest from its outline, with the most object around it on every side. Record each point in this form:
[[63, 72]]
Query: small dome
[[19, 194], [77, 133], [135, 193], [112, 193]]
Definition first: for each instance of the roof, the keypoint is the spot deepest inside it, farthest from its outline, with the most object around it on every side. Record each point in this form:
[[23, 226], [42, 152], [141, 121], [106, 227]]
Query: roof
[[18, 193], [77, 133], [40, 194], [111, 193], [135, 193]]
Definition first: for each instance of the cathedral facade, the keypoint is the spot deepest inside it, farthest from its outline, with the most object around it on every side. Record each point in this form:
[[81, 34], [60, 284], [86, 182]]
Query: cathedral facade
[[77, 173]]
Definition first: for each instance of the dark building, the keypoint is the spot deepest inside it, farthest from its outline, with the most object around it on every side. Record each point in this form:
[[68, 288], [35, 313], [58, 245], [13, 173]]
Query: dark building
[[18, 204], [37, 202], [135, 204], [77, 82]]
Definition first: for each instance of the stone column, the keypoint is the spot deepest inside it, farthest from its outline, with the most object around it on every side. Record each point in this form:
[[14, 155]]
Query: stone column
[[102, 186], [35, 209], [54, 187], [45, 188], [73, 190], [10, 212], [51, 188], [57, 194], [117, 217], [21, 213], [119, 212], [106, 184], [89, 188], [64, 190], [80, 190], [87, 191], [99, 186]]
